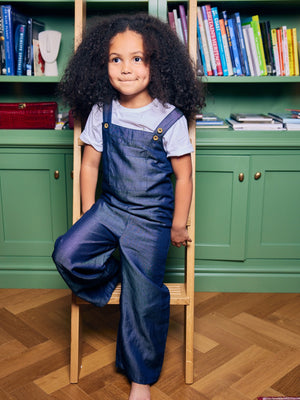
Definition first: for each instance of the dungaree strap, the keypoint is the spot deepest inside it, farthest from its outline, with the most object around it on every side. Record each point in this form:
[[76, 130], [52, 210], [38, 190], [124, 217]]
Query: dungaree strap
[[167, 122], [107, 109]]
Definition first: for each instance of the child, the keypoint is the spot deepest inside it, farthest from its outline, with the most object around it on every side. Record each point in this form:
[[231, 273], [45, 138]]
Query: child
[[133, 80]]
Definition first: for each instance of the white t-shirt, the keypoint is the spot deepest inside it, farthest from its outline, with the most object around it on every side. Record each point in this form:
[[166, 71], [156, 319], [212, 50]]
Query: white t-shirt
[[176, 141]]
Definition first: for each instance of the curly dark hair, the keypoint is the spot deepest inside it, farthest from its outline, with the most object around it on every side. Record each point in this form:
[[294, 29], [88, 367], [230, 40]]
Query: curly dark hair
[[172, 73]]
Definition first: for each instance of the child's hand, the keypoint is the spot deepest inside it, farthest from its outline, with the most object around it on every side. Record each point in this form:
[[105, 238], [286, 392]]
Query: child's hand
[[179, 236]]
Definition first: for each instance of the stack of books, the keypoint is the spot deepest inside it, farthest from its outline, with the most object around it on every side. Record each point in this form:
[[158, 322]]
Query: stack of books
[[210, 120], [19, 47], [290, 119], [254, 122], [231, 45]]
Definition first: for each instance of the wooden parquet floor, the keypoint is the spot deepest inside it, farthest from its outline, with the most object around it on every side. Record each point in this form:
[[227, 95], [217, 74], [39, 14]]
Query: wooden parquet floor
[[246, 345]]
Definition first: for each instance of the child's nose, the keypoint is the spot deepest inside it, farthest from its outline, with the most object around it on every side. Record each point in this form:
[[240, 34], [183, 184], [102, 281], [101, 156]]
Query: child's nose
[[126, 68]]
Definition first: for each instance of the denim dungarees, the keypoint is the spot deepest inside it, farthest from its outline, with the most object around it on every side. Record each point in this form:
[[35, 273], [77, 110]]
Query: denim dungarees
[[134, 214]]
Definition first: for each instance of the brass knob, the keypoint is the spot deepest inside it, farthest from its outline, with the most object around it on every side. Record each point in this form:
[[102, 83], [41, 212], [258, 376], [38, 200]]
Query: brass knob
[[56, 174], [241, 177], [257, 175], [72, 174]]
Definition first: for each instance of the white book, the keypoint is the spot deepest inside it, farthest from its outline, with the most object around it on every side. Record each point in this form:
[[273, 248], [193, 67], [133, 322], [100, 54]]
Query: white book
[[255, 126], [204, 39], [226, 48], [253, 50], [178, 25], [285, 51], [248, 51], [210, 46]]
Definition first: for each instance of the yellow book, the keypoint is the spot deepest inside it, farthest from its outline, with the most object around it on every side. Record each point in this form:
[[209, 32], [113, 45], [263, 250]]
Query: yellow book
[[295, 48], [290, 51], [257, 31]]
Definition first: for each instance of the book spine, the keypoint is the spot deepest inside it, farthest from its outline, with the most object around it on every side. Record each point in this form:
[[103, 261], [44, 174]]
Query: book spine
[[8, 39], [224, 14], [172, 21], [235, 48], [263, 29], [204, 41], [295, 49], [259, 44], [242, 43], [215, 16], [209, 41], [248, 50], [290, 52], [2, 46], [280, 51], [178, 25], [214, 39], [275, 51], [226, 47], [269, 40], [201, 51], [285, 51], [183, 23], [20, 48], [29, 49]]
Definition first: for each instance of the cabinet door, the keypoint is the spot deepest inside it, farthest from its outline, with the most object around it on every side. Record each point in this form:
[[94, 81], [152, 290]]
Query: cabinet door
[[274, 209], [221, 207], [33, 208]]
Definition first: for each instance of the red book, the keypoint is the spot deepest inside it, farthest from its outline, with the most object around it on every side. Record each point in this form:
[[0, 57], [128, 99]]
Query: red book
[[280, 51], [214, 39]]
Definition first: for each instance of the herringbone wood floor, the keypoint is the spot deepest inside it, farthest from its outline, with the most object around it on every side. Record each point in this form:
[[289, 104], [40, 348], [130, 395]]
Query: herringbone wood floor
[[246, 345]]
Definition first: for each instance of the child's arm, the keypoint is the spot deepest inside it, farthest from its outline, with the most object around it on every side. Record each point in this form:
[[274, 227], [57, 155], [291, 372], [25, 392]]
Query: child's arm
[[182, 167], [89, 176]]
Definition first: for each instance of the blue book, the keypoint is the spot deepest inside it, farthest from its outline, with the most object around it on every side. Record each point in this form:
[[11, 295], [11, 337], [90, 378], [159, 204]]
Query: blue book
[[237, 61], [20, 45], [201, 50], [224, 14], [8, 39], [215, 15], [242, 46]]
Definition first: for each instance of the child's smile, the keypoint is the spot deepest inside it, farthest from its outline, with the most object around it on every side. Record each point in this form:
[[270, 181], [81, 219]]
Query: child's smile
[[128, 69]]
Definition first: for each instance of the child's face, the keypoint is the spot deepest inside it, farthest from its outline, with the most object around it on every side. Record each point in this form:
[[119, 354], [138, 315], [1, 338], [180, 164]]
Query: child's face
[[128, 70]]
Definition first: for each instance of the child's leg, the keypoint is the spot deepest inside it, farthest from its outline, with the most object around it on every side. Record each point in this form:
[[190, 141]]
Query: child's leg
[[144, 301], [83, 257]]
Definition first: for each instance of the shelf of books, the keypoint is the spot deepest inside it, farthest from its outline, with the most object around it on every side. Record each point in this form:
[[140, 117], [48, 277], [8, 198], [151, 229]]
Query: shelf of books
[[248, 56]]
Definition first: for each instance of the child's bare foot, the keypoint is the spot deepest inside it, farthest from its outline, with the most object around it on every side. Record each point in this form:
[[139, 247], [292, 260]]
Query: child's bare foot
[[139, 392]]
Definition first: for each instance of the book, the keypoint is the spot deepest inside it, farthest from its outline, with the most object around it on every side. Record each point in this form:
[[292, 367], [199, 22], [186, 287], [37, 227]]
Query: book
[[2, 46], [286, 118], [214, 39], [255, 126], [289, 35], [248, 51], [8, 39], [251, 117], [226, 46], [201, 70], [171, 21], [20, 45], [295, 49], [280, 51], [264, 27], [285, 50], [210, 120], [215, 16], [209, 42], [183, 23], [178, 25], [38, 62], [224, 15], [242, 48], [237, 62], [260, 50], [203, 39], [275, 51]]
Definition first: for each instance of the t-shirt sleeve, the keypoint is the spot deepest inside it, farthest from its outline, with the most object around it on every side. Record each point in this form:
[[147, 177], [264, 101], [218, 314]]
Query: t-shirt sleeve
[[176, 141], [92, 133]]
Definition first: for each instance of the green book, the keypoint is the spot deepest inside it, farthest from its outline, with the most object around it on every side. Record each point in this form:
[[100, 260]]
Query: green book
[[259, 44]]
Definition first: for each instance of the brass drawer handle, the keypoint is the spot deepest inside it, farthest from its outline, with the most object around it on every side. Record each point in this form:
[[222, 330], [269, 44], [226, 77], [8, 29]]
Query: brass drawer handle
[[241, 177], [56, 174], [257, 176]]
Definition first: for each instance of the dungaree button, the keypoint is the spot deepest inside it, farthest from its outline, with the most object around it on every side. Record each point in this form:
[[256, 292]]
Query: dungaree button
[[159, 130], [155, 137], [106, 125]]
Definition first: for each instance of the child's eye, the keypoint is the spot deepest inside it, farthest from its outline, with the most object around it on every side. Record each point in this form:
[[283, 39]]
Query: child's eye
[[137, 59], [115, 60]]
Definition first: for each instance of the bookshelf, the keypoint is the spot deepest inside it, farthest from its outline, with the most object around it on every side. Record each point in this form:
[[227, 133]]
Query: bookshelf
[[248, 183], [247, 235]]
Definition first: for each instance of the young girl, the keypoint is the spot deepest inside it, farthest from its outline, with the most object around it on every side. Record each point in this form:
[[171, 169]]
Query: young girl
[[133, 80]]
